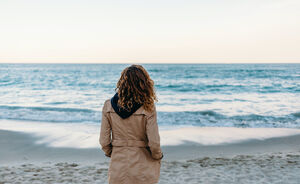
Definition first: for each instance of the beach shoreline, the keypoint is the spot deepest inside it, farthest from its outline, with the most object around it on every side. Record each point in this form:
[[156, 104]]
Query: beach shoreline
[[24, 161], [19, 147]]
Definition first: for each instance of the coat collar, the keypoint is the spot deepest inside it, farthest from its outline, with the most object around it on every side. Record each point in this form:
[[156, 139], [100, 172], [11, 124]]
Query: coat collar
[[121, 111]]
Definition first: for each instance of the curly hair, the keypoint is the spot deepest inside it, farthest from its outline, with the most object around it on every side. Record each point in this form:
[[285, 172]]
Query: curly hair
[[136, 86]]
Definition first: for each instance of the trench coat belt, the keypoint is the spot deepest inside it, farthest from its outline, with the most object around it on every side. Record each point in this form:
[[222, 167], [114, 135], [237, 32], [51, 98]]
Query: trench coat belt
[[129, 143]]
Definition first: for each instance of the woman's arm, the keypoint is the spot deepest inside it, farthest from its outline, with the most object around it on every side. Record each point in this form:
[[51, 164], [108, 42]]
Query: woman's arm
[[105, 134], [153, 136]]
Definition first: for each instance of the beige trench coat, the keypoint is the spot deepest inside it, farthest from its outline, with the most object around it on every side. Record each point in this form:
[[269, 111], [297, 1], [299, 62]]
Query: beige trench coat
[[133, 145]]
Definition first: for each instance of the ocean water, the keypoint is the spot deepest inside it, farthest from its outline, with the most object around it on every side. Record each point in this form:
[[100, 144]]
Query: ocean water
[[234, 95], [189, 95]]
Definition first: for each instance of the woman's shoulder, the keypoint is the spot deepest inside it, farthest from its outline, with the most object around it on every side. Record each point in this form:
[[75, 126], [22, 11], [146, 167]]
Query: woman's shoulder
[[107, 106]]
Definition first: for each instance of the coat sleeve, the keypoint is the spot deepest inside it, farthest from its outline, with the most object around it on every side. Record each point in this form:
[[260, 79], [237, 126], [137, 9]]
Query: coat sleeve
[[105, 134], [153, 136]]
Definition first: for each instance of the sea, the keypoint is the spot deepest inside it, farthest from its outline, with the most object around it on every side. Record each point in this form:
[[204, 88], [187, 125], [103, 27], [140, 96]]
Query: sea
[[189, 95]]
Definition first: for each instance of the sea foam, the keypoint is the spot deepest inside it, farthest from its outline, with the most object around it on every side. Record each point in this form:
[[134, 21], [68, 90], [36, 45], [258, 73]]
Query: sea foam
[[86, 135]]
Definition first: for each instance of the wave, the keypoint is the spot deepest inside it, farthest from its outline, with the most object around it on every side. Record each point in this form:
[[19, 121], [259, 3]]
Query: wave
[[297, 114], [213, 119], [228, 88], [46, 108], [49, 114], [207, 118]]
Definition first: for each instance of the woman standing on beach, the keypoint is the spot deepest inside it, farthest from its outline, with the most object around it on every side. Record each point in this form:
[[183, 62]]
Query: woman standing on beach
[[129, 131]]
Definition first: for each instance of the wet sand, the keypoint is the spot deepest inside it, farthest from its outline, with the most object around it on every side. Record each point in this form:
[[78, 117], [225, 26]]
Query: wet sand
[[275, 160]]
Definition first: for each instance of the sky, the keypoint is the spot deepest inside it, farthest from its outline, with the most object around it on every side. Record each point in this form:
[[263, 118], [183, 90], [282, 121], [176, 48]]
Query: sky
[[156, 31]]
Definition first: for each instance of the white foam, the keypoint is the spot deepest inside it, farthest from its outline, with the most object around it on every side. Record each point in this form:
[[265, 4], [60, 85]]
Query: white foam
[[80, 135], [222, 135], [74, 135]]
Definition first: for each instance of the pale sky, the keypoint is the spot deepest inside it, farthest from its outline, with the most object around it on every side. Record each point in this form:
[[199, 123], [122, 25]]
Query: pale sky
[[139, 31]]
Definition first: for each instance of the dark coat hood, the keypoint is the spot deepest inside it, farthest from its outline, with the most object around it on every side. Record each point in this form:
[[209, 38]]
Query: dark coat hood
[[120, 111]]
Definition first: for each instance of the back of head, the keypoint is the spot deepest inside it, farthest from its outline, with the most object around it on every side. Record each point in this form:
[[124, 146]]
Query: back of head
[[136, 86]]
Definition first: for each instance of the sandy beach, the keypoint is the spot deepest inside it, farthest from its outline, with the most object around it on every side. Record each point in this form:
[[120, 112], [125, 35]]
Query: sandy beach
[[274, 160]]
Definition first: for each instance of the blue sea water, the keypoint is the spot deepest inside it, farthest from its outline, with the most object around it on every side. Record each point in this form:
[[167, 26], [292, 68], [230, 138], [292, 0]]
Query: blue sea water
[[221, 95]]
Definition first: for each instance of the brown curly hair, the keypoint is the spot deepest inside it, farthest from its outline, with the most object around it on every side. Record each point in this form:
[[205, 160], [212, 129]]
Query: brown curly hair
[[136, 86]]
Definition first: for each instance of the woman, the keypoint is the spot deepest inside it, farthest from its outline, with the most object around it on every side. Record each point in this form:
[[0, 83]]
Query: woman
[[129, 132]]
